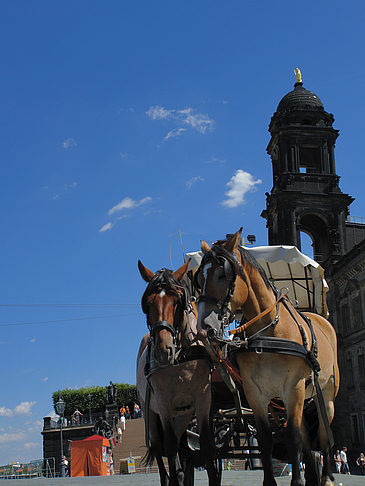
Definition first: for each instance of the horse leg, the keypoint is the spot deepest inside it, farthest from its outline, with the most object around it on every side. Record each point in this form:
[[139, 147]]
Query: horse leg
[[328, 394], [155, 449], [264, 437], [294, 406], [311, 473], [207, 449], [171, 447]]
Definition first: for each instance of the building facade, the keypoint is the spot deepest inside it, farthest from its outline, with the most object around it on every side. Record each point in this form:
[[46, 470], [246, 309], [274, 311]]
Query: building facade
[[306, 198]]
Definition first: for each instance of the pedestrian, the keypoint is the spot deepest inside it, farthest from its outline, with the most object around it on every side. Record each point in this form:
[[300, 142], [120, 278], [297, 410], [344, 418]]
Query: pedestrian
[[127, 413], [344, 464], [66, 466], [75, 417], [122, 422], [360, 461], [337, 459], [119, 434]]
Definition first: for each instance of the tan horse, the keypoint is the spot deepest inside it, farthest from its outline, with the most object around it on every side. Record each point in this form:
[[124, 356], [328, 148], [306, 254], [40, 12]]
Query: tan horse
[[178, 384], [233, 282]]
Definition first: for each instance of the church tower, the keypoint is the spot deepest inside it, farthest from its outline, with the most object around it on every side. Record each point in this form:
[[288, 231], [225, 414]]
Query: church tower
[[305, 196]]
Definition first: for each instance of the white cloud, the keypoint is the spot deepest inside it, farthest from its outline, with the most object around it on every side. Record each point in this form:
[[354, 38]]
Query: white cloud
[[123, 155], [215, 160], [30, 445], [128, 203], [68, 143], [33, 340], [159, 113], [45, 378], [187, 116], [5, 412], [176, 132], [199, 121], [72, 185], [193, 180], [240, 184], [11, 437], [24, 408], [106, 227]]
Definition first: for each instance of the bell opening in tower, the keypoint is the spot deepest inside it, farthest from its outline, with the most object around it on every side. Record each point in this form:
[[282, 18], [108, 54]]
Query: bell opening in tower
[[309, 160]]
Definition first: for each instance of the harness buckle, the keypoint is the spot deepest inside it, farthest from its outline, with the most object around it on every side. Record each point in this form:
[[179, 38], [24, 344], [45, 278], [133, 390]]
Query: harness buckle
[[258, 350]]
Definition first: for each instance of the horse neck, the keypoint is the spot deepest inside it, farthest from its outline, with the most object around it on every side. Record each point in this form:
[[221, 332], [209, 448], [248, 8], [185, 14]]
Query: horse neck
[[259, 299]]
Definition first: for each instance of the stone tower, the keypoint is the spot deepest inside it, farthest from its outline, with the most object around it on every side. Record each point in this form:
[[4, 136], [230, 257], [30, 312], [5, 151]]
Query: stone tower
[[305, 196]]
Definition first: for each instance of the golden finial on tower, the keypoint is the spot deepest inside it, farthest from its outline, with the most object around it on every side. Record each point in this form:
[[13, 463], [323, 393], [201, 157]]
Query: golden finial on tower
[[298, 75]]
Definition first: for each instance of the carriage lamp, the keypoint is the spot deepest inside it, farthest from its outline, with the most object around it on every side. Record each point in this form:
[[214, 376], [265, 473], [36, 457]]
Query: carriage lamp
[[251, 239], [60, 408]]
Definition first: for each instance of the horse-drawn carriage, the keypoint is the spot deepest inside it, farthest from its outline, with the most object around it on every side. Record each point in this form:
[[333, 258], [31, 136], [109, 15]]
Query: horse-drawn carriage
[[262, 381]]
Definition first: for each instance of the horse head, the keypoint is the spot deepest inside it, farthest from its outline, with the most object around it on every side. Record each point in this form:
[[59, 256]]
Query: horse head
[[223, 284], [164, 303]]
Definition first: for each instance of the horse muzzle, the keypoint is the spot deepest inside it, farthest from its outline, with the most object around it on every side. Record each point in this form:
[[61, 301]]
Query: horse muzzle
[[164, 348], [211, 323]]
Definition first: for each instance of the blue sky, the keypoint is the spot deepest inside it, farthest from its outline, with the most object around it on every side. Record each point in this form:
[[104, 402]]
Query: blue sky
[[122, 123]]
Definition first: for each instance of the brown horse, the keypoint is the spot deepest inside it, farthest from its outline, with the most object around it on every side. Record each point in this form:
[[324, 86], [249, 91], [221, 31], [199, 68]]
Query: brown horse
[[173, 377], [233, 282]]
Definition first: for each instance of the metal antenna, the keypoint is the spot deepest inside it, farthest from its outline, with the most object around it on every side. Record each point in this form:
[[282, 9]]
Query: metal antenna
[[182, 247]]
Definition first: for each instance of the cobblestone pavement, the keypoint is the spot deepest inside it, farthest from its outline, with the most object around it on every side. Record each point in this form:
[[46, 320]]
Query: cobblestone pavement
[[230, 478]]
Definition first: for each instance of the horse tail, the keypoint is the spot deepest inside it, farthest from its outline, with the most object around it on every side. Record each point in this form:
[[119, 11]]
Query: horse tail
[[148, 458]]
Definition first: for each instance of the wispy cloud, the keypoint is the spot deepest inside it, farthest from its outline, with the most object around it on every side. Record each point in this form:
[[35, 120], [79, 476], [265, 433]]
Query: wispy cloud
[[176, 132], [69, 143], [30, 445], [123, 155], [45, 378], [24, 408], [118, 211], [159, 113], [61, 191], [215, 160], [193, 180], [33, 340], [239, 185], [11, 437], [190, 117], [128, 203], [107, 226]]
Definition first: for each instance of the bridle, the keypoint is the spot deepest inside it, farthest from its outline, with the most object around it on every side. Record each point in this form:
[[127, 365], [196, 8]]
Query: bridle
[[231, 268], [164, 281]]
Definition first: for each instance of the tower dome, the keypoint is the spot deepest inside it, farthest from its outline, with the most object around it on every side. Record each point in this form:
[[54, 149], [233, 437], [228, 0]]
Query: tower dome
[[300, 107], [300, 98]]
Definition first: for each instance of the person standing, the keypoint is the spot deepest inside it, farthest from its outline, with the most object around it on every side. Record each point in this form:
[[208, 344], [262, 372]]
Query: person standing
[[337, 459], [344, 464], [360, 461]]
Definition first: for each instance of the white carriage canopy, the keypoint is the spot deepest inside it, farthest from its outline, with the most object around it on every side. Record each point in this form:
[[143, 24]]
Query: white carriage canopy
[[286, 266]]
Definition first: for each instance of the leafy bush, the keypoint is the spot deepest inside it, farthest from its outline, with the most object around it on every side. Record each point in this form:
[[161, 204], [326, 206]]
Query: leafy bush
[[79, 398]]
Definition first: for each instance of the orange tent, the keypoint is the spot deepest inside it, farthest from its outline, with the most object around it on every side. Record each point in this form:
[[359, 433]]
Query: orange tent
[[90, 457]]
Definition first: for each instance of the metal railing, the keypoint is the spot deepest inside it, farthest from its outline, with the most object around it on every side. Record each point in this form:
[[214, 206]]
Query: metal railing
[[355, 219]]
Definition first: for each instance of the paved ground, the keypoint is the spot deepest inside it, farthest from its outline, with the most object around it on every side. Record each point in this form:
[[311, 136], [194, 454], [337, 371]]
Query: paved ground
[[230, 478]]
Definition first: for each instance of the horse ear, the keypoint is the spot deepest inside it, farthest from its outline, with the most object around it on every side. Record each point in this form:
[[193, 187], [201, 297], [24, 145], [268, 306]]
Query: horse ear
[[180, 272], [146, 274], [204, 246], [233, 242]]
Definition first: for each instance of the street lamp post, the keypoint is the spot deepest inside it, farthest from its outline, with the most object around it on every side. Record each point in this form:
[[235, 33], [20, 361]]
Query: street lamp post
[[60, 407], [90, 419]]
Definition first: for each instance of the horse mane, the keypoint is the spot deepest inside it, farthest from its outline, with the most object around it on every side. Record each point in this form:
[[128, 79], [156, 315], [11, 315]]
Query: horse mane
[[164, 280], [218, 250]]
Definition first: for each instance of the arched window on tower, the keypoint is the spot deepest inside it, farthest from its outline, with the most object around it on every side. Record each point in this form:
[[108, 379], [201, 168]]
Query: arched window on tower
[[306, 244]]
